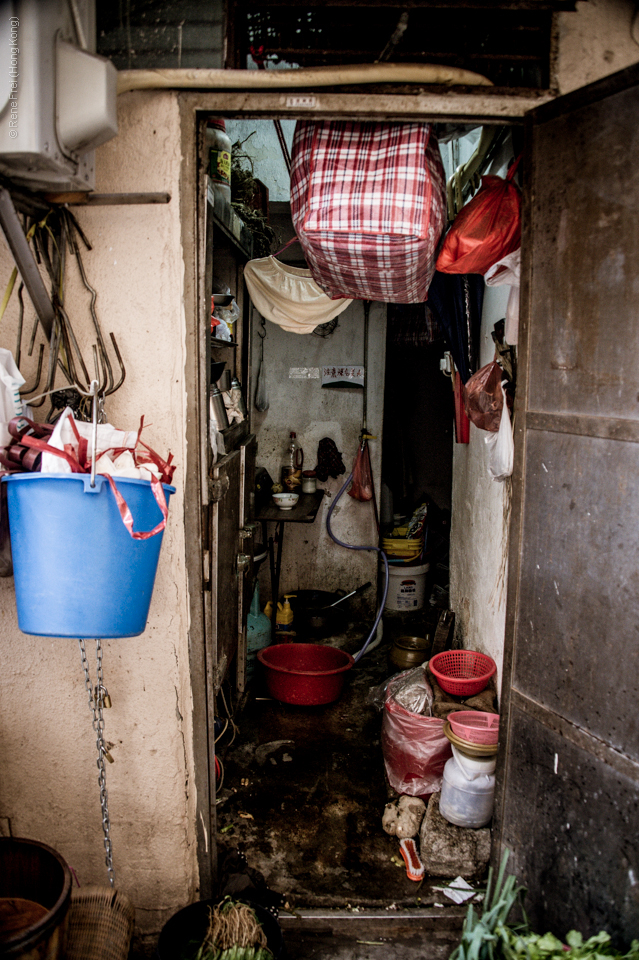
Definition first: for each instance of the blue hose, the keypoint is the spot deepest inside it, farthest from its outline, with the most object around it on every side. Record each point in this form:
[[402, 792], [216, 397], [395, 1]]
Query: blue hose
[[350, 546]]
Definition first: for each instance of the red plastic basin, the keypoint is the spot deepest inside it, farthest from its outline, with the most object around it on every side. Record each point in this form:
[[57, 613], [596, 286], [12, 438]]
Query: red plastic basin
[[306, 674]]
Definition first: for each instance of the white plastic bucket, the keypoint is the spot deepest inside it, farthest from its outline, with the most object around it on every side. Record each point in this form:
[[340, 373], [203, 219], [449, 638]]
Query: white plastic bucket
[[406, 586]]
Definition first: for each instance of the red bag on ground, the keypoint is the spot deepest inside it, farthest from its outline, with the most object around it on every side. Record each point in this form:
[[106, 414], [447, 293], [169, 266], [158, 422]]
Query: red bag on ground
[[483, 397], [486, 229], [415, 750]]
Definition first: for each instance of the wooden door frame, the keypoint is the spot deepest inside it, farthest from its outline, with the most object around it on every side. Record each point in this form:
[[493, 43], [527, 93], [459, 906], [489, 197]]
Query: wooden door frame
[[440, 105]]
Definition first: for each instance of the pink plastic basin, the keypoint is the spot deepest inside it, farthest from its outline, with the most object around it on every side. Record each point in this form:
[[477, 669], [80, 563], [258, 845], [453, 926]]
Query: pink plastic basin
[[306, 674]]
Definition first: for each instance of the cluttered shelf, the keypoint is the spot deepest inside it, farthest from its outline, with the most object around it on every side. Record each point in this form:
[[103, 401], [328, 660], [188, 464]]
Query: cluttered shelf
[[225, 219]]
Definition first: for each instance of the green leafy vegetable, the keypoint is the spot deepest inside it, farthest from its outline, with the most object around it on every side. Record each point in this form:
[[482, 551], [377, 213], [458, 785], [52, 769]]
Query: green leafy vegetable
[[488, 936]]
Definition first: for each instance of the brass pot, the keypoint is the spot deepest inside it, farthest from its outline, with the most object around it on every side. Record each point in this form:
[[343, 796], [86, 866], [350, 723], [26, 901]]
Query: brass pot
[[408, 652]]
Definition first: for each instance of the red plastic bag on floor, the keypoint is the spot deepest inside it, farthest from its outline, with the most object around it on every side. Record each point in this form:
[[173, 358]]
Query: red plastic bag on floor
[[486, 229], [484, 398], [415, 750]]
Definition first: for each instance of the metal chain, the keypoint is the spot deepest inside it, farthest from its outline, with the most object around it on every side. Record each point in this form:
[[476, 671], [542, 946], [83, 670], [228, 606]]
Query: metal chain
[[96, 698]]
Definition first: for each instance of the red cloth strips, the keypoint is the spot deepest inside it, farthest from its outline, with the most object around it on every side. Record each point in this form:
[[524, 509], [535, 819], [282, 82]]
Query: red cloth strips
[[368, 202]]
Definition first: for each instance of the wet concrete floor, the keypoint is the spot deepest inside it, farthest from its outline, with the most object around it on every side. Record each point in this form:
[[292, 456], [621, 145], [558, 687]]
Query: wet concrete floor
[[303, 796]]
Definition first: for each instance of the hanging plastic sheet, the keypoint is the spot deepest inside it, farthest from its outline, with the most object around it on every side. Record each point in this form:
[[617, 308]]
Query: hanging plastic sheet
[[508, 271], [456, 302]]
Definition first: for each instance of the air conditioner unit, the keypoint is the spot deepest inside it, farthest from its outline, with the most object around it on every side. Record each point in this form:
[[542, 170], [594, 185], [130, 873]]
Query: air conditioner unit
[[57, 98]]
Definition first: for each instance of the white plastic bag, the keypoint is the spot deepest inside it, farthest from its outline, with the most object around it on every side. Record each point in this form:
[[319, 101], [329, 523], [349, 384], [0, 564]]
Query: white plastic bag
[[108, 438], [501, 447], [10, 401]]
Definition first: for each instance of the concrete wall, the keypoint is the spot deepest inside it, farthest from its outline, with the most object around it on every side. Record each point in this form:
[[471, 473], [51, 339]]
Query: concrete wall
[[599, 38], [48, 787], [479, 525], [310, 559]]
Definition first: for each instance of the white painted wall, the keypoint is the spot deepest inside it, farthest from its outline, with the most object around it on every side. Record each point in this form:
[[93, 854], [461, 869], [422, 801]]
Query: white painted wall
[[48, 787], [478, 548]]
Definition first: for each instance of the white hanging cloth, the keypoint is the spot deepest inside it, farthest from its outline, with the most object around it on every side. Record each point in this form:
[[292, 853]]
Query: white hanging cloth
[[288, 296], [508, 270]]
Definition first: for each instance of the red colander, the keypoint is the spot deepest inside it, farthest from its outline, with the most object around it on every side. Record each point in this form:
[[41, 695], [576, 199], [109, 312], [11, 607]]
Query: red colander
[[462, 672], [475, 726]]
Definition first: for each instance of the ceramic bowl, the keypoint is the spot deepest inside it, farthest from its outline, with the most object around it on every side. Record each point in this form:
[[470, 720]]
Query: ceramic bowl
[[285, 501]]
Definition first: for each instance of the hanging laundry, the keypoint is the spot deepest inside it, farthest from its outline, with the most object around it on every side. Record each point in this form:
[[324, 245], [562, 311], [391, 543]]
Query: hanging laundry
[[288, 296], [368, 202], [456, 301], [508, 271]]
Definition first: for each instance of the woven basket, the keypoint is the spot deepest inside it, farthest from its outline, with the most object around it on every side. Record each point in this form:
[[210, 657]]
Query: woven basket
[[100, 925]]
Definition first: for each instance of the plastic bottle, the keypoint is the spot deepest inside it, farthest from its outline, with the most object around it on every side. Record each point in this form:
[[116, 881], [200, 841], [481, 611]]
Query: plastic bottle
[[284, 616], [219, 154], [292, 464], [258, 632], [468, 790]]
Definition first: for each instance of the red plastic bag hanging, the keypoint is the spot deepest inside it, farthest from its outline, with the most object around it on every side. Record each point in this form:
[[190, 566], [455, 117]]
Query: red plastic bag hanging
[[486, 229], [362, 485], [483, 397]]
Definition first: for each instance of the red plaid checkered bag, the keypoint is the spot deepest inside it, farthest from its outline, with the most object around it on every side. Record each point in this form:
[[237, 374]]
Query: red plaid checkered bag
[[368, 202]]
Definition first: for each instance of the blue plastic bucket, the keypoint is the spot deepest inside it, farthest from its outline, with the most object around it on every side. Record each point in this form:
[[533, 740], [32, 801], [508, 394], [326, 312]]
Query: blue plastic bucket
[[78, 572]]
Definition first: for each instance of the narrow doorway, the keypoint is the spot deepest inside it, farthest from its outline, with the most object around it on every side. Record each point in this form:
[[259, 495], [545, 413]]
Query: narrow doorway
[[302, 789]]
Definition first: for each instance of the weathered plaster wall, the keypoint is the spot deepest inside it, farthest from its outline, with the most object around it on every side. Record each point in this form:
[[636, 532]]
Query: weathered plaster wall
[[310, 558], [478, 549], [48, 787], [595, 40]]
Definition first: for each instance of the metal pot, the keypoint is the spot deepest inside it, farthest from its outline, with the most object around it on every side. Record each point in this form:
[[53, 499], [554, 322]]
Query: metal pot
[[408, 652], [320, 612]]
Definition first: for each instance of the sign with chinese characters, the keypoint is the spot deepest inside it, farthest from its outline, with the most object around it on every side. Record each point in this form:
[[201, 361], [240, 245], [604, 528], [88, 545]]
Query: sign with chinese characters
[[343, 375]]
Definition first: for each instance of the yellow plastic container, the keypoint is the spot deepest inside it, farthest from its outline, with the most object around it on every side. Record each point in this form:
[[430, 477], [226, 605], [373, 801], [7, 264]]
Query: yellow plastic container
[[284, 616]]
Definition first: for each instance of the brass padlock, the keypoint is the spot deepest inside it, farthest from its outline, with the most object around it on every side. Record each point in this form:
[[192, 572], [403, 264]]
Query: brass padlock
[[108, 755], [101, 697]]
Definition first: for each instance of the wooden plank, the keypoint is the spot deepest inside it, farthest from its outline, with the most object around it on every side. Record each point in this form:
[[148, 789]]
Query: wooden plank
[[578, 644], [597, 748], [445, 105], [605, 427], [585, 330], [79, 199]]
